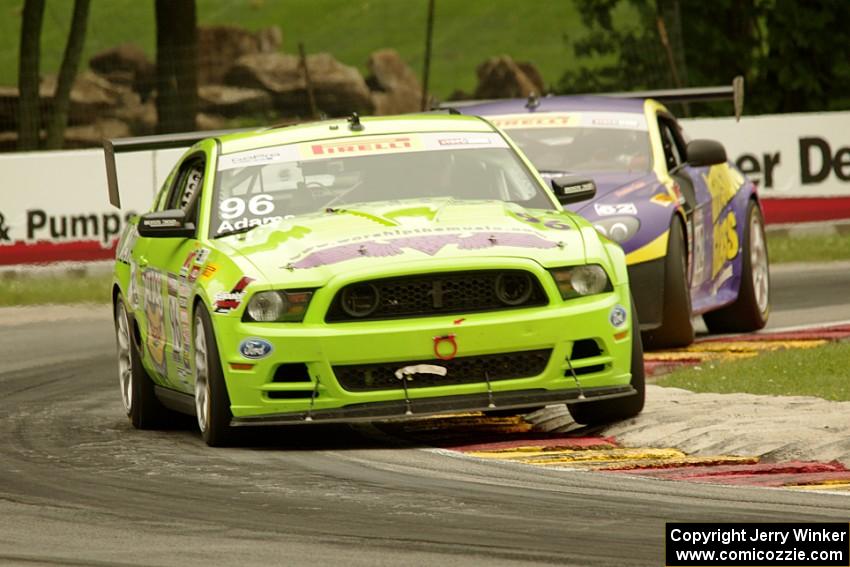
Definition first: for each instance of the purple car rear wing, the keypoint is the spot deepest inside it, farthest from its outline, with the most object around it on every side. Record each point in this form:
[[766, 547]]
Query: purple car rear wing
[[735, 91]]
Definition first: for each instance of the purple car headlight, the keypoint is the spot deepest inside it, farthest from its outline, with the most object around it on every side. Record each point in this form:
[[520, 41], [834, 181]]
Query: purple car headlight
[[619, 229]]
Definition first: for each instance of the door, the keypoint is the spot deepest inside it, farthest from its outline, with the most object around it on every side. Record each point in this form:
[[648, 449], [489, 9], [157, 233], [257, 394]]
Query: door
[[168, 269]]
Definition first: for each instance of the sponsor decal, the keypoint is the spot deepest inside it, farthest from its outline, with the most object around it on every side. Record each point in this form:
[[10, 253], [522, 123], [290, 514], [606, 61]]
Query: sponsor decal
[[124, 251], [225, 302], [255, 158], [630, 188], [208, 271], [464, 141], [174, 318], [202, 255], [725, 242], [407, 372], [699, 247], [724, 276], [618, 316], [445, 347], [255, 349], [615, 209], [152, 283], [133, 290], [429, 244], [547, 120], [363, 146], [187, 263], [194, 272], [723, 184], [228, 226], [663, 199]]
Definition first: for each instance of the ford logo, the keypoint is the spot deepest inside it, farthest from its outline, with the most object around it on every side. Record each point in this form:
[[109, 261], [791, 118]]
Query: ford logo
[[618, 316], [254, 348]]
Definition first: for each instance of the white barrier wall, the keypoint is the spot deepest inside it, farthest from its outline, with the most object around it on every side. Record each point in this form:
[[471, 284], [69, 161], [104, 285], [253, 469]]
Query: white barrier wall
[[55, 204], [55, 207], [790, 155]]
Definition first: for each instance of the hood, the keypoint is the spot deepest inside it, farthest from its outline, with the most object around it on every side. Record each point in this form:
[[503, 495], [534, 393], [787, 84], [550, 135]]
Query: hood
[[313, 248]]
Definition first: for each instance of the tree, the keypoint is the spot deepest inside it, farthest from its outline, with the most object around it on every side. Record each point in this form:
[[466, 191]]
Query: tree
[[67, 74], [29, 116], [789, 62], [176, 65]]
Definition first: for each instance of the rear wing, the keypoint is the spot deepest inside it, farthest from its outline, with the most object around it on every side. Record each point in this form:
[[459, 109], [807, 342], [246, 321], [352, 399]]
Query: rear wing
[[145, 143], [735, 91]]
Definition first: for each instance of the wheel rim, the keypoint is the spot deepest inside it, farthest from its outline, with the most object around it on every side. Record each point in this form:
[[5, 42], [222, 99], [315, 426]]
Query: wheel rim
[[758, 263], [202, 390], [125, 363]]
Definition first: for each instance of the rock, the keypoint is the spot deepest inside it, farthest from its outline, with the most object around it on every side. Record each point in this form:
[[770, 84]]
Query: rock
[[210, 122], [502, 77], [140, 118], [128, 65], [92, 135], [339, 89], [220, 46], [396, 89], [233, 101], [92, 97], [533, 75]]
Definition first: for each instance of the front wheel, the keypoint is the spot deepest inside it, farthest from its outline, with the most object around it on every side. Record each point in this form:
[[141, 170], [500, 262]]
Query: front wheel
[[607, 411], [676, 329], [137, 390], [212, 403], [750, 310]]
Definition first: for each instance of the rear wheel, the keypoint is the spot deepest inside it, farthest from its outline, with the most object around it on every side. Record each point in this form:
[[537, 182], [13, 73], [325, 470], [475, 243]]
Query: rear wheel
[[750, 311], [137, 390], [212, 403], [676, 329], [606, 411]]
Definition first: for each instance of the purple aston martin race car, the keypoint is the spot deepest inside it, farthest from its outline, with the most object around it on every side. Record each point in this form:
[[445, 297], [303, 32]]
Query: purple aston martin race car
[[689, 221]]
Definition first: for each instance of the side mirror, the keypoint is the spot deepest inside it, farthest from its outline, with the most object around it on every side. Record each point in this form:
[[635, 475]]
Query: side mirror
[[573, 189], [705, 152], [166, 224]]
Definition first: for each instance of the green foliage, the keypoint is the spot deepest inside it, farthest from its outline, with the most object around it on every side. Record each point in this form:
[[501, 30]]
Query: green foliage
[[60, 288], [810, 248], [789, 52], [821, 372]]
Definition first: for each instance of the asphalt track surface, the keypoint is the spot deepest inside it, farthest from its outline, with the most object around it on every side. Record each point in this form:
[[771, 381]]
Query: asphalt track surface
[[79, 486]]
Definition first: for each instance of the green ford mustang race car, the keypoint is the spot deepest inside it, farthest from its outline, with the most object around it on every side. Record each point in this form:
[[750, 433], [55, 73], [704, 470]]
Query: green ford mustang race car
[[365, 270]]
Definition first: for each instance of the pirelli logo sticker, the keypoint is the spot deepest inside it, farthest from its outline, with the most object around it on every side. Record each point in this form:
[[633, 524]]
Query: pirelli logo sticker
[[357, 146], [527, 120], [363, 146]]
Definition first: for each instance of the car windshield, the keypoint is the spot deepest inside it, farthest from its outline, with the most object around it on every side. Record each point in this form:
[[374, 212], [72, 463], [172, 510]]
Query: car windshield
[[584, 149], [271, 184], [581, 141]]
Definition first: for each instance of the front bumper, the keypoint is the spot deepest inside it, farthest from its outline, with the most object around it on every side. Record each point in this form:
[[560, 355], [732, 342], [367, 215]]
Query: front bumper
[[400, 410], [261, 391]]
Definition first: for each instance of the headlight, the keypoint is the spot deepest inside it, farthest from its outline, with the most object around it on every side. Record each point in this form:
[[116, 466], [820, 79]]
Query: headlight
[[286, 306], [581, 280], [618, 229]]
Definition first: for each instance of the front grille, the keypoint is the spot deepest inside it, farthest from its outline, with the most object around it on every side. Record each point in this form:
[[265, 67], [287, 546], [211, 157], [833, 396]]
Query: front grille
[[462, 370], [436, 294]]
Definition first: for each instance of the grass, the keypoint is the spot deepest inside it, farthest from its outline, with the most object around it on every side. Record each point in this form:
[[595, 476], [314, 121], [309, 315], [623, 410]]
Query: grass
[[815, 248], [466, 32], [822, 372], [42, 289]]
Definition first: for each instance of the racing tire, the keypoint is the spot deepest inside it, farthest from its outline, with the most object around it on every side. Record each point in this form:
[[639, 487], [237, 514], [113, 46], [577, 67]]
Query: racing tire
[[212, 402], [676, 329], [749, 312], [607, 411], [143, 408]]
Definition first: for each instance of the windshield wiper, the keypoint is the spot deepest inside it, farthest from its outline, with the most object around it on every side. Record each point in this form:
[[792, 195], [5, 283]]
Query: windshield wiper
[[241, 230], [553, 172]]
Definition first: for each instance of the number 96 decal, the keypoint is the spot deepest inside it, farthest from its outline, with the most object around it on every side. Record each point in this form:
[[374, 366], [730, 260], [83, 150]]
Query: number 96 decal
[[234, 207]]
